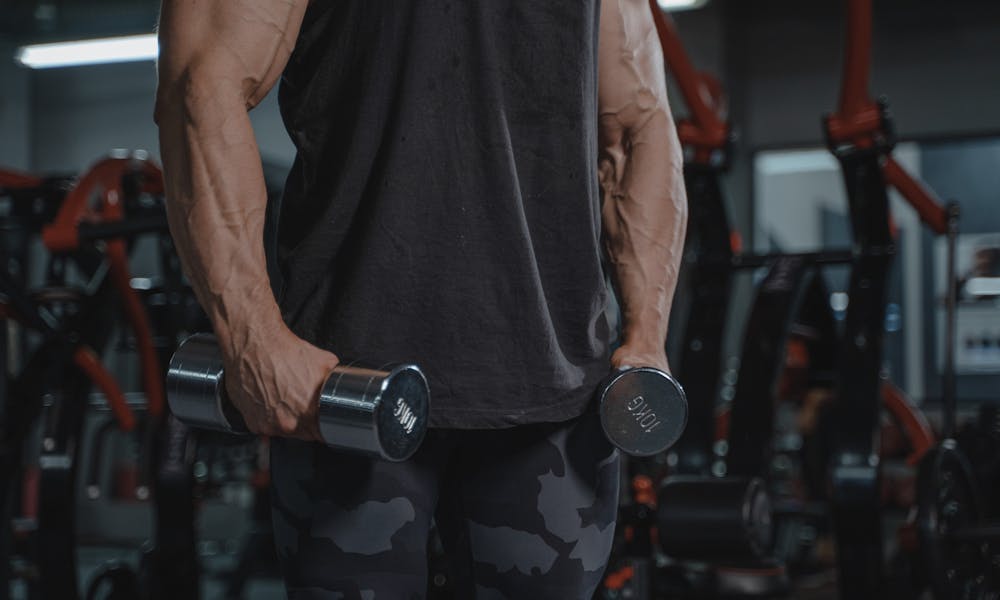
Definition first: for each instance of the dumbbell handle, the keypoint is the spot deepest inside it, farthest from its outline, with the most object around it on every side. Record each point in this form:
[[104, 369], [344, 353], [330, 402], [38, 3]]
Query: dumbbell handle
[[375, 411]]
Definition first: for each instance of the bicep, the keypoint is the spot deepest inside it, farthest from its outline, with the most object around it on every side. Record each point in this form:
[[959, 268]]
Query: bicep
[[631, 77], [239, 45]]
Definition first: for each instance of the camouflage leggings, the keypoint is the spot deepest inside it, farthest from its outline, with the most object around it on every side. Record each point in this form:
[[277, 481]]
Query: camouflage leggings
[[523, 513]]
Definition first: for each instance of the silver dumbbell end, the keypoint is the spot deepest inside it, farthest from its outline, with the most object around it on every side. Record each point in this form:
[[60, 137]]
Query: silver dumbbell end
[[377, 411]]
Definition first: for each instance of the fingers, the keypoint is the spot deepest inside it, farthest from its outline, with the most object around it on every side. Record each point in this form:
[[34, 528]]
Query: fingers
[[301, 427], [285, 403], [308, 430], [625, 358], [286, 424]]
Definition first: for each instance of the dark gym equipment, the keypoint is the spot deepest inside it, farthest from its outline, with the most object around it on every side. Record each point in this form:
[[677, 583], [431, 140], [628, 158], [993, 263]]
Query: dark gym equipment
[[75, 322], [957, 520], [720, 519], [379, 412], [778, 302], [724, 519], [707, 266], [956, 554], [861, 136], [169, 567], [643, 411], [117, 582], [855, 464]]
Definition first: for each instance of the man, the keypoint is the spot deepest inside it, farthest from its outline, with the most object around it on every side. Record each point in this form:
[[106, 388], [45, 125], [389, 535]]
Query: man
[[455, 160]]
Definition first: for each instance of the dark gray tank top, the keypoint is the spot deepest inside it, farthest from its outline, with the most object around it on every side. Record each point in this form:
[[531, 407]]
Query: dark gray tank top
[[443, 207]]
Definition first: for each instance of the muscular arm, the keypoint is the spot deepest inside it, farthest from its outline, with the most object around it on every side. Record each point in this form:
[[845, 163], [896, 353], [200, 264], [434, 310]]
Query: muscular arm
[[641, 176], [218, 59]]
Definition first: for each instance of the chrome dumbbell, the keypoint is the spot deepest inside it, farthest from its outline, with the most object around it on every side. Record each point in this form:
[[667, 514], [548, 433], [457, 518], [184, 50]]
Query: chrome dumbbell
[[378, 411]]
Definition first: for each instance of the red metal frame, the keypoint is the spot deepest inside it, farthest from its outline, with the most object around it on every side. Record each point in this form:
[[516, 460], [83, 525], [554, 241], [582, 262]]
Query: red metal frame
[[916, 429], [90, 365], [706, 131], [859, 119], [915, 426], [858, 116], [106, 175], [927, 205], [18, 180], [87, 361], [62, 236]]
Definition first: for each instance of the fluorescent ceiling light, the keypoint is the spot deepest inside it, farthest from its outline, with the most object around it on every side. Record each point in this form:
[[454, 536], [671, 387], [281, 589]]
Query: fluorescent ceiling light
[[681, 4], [89, 52]]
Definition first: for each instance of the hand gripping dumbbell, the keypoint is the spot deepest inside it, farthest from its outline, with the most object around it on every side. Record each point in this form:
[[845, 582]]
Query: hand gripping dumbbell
[[380, 412], [643, 410]]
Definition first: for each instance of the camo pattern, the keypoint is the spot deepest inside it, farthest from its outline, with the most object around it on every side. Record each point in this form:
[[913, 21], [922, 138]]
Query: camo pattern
[[523, 513]]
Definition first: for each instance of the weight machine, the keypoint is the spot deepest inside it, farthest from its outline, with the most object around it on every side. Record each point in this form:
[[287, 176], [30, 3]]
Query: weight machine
[[85, 224], [724, 545]]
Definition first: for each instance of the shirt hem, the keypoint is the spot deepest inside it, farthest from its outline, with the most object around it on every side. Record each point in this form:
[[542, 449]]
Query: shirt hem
[[458, 417]]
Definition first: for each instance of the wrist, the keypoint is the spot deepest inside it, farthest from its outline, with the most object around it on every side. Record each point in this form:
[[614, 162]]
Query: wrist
[[244, 325], [644, 341], [631, 357]]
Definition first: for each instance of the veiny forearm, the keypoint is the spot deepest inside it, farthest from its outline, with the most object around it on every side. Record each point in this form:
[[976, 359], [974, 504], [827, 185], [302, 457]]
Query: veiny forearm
[[217, 60], [216, 206], [641, 176], [645, 217]]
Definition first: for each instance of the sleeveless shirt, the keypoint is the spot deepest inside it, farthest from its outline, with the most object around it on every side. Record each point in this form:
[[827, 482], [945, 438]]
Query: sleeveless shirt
[[443, 206]]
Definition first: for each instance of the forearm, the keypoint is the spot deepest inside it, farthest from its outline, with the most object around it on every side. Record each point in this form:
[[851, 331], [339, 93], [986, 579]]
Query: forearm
[[218, 60], [216, 206], [641, 176], [645, 218]]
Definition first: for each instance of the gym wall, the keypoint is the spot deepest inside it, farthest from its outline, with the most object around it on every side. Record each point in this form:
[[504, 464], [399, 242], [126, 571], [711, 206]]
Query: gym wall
[[936, 65], [778, 59], [14, 111]]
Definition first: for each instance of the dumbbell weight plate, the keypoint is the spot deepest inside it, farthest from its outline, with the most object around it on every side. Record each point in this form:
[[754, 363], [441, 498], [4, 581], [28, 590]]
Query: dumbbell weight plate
[[196, 390], [392, 399], [715, 518], [643, 411]]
